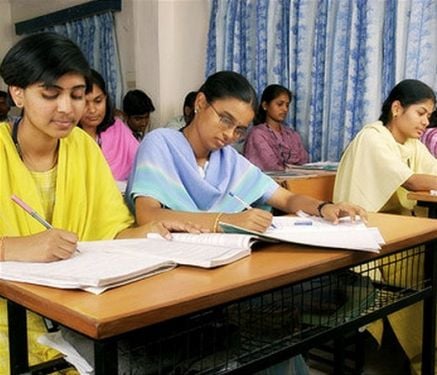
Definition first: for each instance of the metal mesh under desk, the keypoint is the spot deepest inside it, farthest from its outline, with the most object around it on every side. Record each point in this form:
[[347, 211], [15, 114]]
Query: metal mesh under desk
[[278, 323]]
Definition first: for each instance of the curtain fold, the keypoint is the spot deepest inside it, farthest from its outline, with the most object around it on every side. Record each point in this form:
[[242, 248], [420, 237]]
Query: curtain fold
[[339, 57]]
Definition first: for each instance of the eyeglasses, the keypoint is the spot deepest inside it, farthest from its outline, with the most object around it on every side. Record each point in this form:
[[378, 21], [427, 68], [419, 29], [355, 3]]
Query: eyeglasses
[[239, 132]]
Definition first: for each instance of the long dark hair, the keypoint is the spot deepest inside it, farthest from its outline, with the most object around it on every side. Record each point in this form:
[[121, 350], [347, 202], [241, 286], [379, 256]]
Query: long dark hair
[[407, 92], [270, 93], [108, 120], [228, 84], [433, 120]]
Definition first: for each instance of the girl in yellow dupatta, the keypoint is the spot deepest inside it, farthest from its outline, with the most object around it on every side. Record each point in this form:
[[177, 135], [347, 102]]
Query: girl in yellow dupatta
[[55, 168]]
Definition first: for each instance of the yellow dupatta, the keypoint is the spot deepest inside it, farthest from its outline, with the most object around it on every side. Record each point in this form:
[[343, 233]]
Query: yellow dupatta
[[87, 202]]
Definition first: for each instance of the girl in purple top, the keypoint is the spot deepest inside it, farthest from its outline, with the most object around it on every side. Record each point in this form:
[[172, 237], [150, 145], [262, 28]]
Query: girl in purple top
[[271, 145]]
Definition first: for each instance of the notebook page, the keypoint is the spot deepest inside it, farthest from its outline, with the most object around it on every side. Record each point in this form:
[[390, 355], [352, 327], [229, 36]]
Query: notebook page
[[217, 239], [92, 267], [201, 253]]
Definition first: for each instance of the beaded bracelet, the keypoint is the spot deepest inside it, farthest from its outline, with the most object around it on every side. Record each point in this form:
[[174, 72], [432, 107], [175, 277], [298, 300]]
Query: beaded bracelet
[[2, 248], [321, 205], [216, 222]]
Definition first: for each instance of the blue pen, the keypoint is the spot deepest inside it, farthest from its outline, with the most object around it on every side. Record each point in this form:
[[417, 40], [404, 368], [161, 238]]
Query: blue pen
[[303, 222], [246, 205]]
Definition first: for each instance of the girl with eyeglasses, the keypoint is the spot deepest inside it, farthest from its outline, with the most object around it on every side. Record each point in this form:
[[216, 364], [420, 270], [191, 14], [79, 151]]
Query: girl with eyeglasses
[[196, 175]]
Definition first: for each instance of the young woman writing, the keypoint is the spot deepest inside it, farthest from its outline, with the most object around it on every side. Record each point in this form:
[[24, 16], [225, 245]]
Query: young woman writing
[[189, 174], [54, 167]]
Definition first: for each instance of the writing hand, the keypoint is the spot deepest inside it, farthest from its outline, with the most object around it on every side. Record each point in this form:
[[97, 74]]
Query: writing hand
[[253, 219], [47, 246]]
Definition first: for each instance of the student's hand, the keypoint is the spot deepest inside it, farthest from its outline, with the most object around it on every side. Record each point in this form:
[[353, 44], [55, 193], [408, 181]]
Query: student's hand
[[253, 219], [333, 211], [165, 227], [48, 246]]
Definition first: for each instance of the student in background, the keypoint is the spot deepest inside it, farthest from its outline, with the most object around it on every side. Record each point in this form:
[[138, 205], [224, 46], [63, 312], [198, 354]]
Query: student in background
[[179, 122], [58, 169], [116, 140], [271, 144], [4, 107], [429, 138], [384, 161], [137, 107]]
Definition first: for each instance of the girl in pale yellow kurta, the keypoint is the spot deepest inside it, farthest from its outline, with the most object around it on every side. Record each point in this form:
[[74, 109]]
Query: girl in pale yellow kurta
[[55, 168], [383, 162]]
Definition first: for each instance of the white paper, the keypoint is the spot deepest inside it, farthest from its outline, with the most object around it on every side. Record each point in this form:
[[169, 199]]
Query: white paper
[[55, 340], [344, 235], [105, 264]]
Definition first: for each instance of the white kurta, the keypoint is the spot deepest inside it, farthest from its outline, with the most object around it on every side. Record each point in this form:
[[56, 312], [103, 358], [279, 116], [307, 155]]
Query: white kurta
[[374, 167]]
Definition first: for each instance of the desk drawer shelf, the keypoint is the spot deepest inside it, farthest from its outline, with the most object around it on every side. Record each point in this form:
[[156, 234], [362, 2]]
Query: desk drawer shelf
[[255, 332]]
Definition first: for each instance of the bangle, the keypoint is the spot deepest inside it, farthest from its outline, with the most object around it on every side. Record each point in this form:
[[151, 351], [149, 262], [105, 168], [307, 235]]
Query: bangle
[[216, 222], [321, 205], [2, 249]]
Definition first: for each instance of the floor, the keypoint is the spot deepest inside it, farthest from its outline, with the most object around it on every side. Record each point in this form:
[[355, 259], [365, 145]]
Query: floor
[[389, 359]]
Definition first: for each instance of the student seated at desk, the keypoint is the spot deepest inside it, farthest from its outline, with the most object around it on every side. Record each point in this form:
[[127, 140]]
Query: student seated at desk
[[189, 174], [54, 167], [116, 140], [272, 145], [429, 138], [384, 161]]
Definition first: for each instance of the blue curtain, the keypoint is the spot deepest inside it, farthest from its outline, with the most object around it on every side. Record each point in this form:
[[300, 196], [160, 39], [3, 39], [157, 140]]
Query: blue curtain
[[339, 57], [96, 37]]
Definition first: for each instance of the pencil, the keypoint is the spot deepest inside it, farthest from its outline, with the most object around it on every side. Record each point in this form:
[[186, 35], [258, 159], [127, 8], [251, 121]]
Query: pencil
[[33, 213]]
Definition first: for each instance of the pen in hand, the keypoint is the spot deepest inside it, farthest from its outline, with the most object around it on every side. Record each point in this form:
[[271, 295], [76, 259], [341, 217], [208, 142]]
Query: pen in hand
[[33, 213], [246, 205]]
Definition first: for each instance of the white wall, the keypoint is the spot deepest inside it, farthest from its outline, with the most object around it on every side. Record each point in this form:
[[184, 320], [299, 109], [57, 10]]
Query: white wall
[[6, 31], [162, 44], [169, 50]]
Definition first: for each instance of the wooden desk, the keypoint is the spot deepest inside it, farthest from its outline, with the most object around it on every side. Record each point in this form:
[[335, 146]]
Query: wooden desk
[[186, 293], [315, 183], [425, 199]]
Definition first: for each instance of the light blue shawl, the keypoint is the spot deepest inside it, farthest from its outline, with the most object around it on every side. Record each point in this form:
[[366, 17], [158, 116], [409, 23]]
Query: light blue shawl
[[166, 170]]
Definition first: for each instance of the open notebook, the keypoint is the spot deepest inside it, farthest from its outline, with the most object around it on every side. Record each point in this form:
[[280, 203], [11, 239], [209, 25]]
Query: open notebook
[[105, 264], [314, 231]]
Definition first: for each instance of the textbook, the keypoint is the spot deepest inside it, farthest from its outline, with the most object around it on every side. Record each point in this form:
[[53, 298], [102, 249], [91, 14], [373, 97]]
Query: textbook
[[314, 231], [106, 264]]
